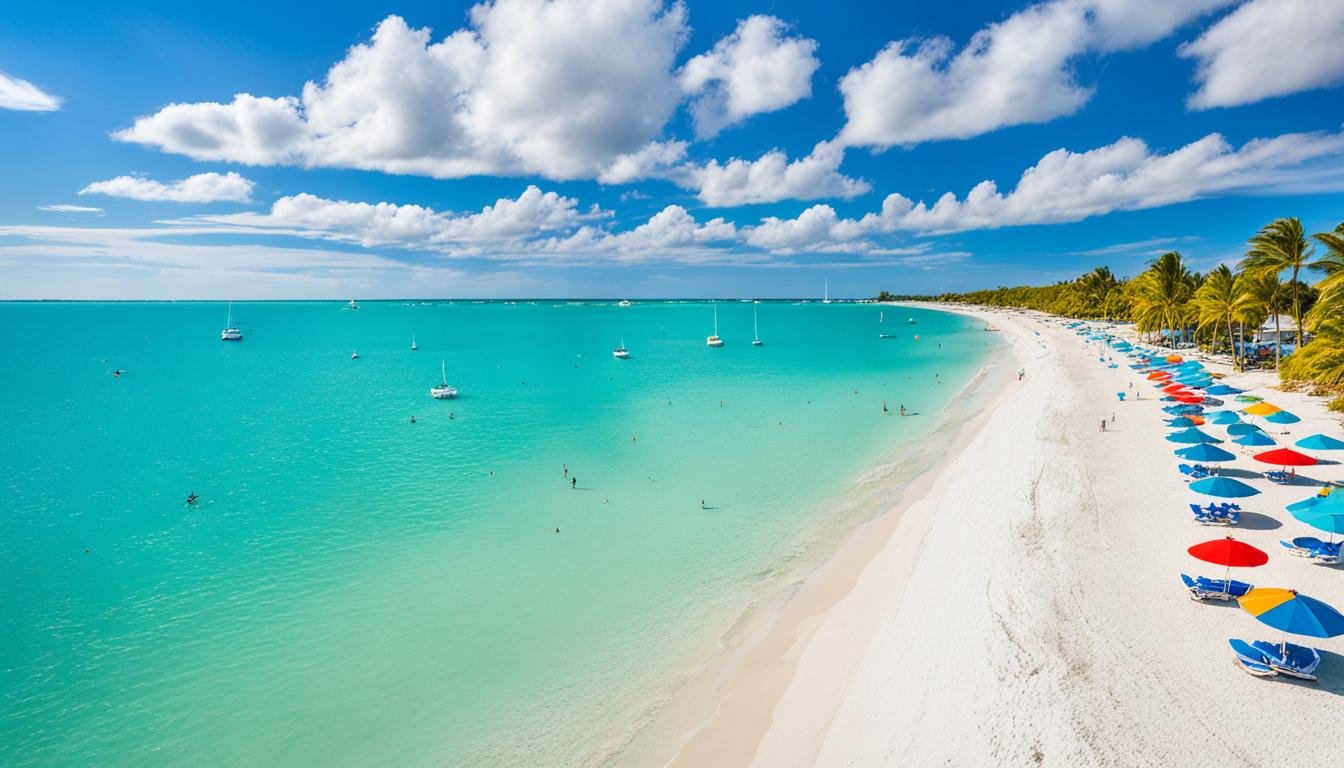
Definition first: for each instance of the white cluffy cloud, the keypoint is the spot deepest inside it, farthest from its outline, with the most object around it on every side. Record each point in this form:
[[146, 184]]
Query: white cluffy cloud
[[1069, 186], [67, 208], [771, 177], [201, 188], [1013, 72], [23, 96], [756, 69], [1243, 59], [557, 89], [499, 225]]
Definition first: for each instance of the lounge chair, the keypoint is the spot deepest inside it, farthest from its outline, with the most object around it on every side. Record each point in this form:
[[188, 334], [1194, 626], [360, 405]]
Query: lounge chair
[[1202, 588], [1230, 517], [1249, 659], [1265, 659], [1313, 548]]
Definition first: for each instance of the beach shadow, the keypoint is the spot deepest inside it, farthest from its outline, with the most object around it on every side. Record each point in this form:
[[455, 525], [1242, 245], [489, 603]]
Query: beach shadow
[[1254, 521], [1332, 673], [707, 508], [1242, 473]]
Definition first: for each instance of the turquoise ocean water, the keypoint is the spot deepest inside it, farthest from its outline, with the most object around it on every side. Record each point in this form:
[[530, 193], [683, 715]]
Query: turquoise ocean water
[[358, 590]]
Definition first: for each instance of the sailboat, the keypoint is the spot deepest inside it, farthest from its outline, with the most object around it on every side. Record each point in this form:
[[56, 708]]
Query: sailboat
[[414, 347], [621, 353], [442, 391], [756, 326], [351, 304], [715, 341], [354, 355], [881, 316], [826, 292], [231, 332]]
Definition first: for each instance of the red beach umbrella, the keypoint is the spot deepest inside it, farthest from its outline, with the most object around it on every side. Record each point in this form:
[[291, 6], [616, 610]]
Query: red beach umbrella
[[1285, 457], [1175, 389], [1189, 399], [1229, 552], [1159, 375]]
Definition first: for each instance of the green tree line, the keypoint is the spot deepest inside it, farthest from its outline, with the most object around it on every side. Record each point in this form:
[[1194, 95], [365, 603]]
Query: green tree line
[[1224, 305]]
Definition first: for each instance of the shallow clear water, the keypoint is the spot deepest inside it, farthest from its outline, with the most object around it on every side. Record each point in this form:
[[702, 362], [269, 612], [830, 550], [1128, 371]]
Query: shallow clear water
[[355, 589]]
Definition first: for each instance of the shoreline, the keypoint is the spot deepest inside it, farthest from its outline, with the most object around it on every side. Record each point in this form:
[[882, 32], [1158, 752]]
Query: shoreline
[[1020, 604], [751, 656]]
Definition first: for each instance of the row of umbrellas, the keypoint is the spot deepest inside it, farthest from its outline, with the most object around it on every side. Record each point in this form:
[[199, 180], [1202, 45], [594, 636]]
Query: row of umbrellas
[[1282, 609]]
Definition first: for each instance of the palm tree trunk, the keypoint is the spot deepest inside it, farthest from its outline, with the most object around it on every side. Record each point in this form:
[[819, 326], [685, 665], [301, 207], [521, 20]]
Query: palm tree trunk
[[1232, 343], [1278, 342], [1297, 309]]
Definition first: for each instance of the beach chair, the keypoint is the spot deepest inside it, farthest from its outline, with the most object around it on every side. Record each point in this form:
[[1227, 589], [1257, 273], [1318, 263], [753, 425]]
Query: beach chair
[[1250, 659], [1314, 549], [1202, 588], [1120, 395], [1230, 517], [1289, 659]]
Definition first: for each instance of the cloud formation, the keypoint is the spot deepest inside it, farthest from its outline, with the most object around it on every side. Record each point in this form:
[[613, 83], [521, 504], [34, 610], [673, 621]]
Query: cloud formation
[[23, 96], [200, 188], [758, 68], [1013, 72], [557, 89], [1242, 58], [67, 208], [770, 178]]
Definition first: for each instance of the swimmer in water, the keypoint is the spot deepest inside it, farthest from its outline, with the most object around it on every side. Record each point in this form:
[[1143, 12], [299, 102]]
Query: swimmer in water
[[192, 498]]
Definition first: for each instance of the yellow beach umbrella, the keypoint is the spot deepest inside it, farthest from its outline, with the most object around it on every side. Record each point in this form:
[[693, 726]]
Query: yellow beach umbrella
[[1261, 409]]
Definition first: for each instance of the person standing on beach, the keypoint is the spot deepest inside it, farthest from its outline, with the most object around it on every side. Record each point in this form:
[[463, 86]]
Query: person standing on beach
[[1103, 425], [574, 483]]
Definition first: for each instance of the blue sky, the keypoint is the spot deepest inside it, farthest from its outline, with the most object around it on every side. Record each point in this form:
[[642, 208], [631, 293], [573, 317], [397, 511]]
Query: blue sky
[[642, 148]]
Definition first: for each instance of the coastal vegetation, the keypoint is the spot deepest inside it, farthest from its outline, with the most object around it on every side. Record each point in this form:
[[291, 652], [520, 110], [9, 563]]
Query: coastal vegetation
[[1221, 311]]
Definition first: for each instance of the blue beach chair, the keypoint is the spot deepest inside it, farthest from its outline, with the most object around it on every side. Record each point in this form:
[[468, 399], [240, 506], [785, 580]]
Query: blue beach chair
[[1314, 549], [1202, 588], [1265, 659]]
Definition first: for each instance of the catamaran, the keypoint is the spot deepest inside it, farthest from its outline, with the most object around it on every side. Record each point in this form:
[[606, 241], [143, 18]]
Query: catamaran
[[231, 332], [826, 292], [351, 304], [443, 391], [756, 326], [620, 353], [413, 344], [714, 340]]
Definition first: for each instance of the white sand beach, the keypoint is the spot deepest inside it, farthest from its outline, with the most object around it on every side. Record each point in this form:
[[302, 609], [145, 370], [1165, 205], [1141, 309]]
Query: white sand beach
[[1024, 605]]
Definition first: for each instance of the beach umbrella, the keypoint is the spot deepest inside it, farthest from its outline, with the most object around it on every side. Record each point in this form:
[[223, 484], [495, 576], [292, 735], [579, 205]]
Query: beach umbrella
[[1285, 457], [1323, 499], [1261, 409], [1224, 389], [1189, 399], [1192, 435], [1242, 428], [1223, 488], [1254, 439], [1326, 517], [1174, 389], [1174, 358], [1320, 443], [1224, 417], [1204, 452], [1195, 419], [1287, 611], [1229, 552], [1282, 417], [1158, 375], [1181, 421]]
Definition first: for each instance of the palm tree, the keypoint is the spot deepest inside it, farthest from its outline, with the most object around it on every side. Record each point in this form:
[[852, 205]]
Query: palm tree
[[1215, 303], [1264, 294], [1332, 262], [1161, 294], [1282, 245]]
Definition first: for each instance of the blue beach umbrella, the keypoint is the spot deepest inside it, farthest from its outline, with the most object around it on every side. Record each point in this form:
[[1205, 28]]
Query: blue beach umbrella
[[1333, 502], [1204, 452], [1282, 417], [1320, 443], [1192, 435], [1224, 389], [1256, 438], [1222, 417], [1287, 611], [1180, 421], [1323, 517], [1242, 428], [1223, 488]]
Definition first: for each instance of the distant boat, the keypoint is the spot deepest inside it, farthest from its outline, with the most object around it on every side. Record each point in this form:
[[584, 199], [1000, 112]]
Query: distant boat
[[881, 316], [826, 292], [623, 303], [351, 304], [442, 391], [621, 353], [231, 332], [414, 346], [756, 326], [714, 340], [910, 320], [354, 355]]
